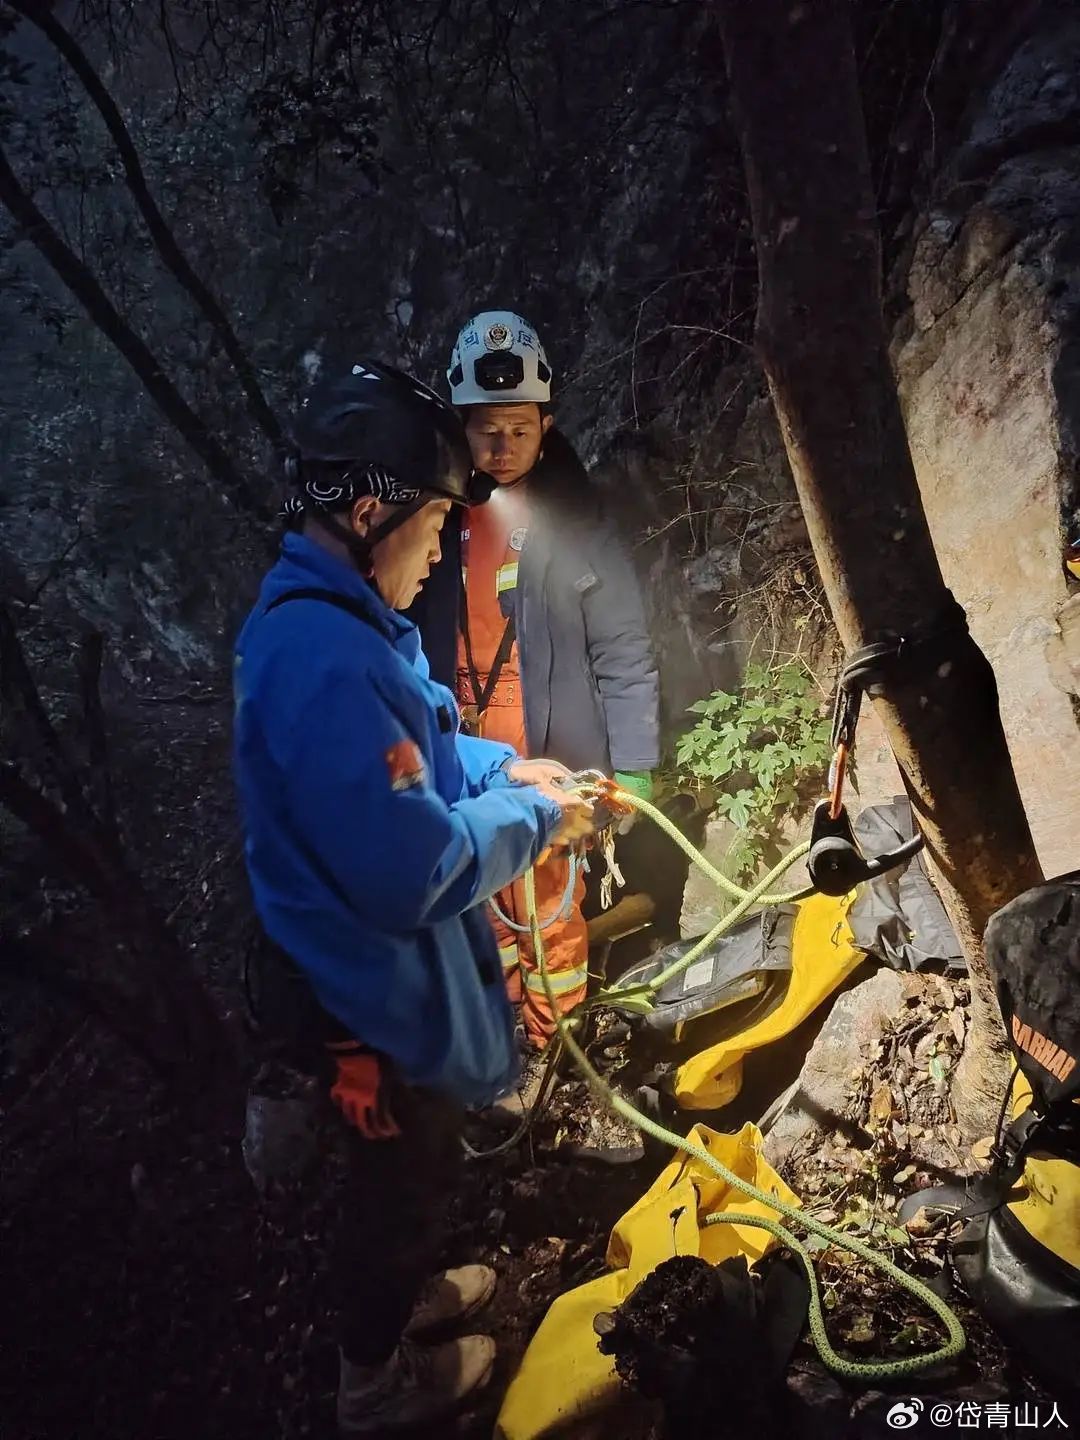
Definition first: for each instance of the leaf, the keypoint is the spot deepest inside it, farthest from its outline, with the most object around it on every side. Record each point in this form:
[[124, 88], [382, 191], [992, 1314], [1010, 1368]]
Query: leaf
[[764, 770], [720, 702], [896, 1235], [756, 677], [740, 810], [882, 1103], [903, 1175], [937, 1070], [921, 1223], [911, 1334], [857, 1218], [862, 1330]]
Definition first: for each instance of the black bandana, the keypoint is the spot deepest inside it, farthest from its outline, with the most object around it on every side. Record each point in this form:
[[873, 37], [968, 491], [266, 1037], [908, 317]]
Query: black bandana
[[327, 488]]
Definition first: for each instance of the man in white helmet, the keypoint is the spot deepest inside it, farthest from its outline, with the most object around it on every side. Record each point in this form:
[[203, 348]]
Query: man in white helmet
[[536, 621]]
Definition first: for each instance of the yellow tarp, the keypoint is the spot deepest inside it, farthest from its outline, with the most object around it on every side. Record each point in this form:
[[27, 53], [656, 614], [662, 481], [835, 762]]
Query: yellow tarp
[[1050, 1205], [563, 1377], [823, 955]]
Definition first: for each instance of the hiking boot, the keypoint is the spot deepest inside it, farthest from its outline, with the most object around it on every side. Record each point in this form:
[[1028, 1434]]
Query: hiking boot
[[452, 1296], [416, 1386]]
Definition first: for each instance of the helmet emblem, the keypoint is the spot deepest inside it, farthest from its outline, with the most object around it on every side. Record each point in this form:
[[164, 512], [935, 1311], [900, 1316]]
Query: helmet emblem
[[498, 337]]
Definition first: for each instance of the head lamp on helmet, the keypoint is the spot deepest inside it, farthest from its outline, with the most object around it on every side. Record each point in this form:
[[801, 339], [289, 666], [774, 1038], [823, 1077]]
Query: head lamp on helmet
[[498, 360]]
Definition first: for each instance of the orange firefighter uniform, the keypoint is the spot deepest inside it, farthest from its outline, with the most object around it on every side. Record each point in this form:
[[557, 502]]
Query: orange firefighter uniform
[[491, 546]]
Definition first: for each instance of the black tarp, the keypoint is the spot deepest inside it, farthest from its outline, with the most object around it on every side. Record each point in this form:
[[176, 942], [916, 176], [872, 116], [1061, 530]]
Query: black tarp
[[899, 917]]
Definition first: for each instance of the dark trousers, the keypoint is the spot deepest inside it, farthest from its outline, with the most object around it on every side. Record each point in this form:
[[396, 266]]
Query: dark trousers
[[390, 1222]]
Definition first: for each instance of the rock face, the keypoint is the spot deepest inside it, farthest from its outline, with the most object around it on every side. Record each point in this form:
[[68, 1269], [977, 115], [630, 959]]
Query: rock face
[[988, 362], [703, 905], [987, 356], [825, 1080]]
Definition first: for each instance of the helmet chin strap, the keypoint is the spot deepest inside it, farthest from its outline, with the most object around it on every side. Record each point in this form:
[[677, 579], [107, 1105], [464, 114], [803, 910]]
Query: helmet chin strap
[[361, 547]]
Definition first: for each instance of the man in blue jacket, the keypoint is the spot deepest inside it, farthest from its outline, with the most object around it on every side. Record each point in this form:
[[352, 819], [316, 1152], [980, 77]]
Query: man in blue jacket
[[375, 832]]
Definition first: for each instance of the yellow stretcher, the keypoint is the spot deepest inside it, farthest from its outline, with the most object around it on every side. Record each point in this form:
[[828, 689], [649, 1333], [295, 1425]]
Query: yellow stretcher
[[563, 1378], [823, 955]]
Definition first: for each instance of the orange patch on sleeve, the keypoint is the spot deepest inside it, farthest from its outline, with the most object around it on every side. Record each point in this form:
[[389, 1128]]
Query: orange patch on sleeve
[[405, 764]]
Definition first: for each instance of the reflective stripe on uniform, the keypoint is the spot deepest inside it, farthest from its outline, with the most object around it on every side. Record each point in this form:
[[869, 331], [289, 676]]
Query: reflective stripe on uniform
[[506, 577], [561, 981], [508, 954]]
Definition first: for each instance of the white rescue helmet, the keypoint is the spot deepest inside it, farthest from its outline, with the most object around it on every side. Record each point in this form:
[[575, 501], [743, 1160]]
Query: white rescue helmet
[[498, 360]]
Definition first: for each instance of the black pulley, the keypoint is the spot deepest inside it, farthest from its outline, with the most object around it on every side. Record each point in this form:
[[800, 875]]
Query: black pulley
[[836, 864]]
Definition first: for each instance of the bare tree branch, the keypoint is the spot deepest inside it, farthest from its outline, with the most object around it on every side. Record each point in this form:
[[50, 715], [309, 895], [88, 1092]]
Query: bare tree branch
[[39, 736], [164, 240], [134, 349], [48, 822]]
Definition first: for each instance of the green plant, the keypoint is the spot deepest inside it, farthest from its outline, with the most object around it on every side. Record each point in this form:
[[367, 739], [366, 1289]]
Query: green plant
[[765, 748]]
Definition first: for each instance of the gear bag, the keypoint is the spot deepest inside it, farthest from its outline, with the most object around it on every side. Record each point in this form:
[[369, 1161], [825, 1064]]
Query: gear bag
[[1019, 1257], [736, 969]]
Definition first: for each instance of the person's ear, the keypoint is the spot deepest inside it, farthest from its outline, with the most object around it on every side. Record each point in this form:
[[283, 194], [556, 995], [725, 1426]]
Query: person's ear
[[362, 515], [546, 423]]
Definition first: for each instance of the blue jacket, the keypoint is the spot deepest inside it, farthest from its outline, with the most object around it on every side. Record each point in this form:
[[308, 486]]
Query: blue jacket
[[374, 830], [589, 680]]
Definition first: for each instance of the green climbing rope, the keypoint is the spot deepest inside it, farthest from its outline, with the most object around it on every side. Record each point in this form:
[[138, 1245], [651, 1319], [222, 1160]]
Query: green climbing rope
[[640, 996], [851, 1369]]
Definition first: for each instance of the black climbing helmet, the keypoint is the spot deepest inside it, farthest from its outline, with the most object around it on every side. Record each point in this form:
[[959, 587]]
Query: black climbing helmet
[[376, 431]]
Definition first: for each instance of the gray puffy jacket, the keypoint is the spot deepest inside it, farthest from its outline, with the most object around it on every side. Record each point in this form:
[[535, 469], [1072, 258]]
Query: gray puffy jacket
[[589, 677]]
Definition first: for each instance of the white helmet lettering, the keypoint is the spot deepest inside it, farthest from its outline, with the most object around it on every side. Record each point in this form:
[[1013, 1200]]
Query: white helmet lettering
[[485, 337]]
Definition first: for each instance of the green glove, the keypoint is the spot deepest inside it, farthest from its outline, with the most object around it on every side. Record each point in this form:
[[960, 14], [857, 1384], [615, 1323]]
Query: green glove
[[636, 782]]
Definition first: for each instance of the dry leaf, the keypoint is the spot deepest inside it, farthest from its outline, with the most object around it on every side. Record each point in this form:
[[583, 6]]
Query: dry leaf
[[956, 1024], [920, 1223], [982, 1148], [924, 1047], [944, 994], [882, 1103]]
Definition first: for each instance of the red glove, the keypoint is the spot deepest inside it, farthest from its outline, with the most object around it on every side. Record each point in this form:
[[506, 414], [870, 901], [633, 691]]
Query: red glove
[[358, 1094]]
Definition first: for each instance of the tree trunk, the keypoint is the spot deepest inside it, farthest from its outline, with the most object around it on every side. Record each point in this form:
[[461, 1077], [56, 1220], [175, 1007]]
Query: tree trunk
[[821, 337], [82, 284], [165, 241]]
